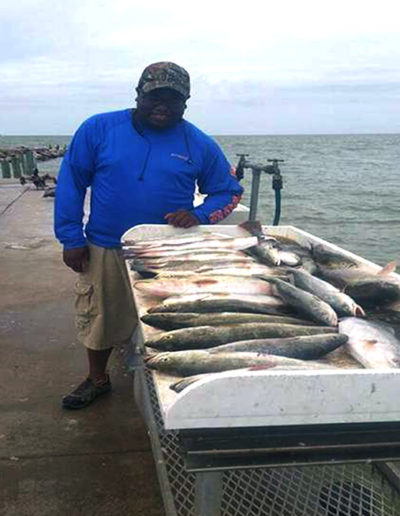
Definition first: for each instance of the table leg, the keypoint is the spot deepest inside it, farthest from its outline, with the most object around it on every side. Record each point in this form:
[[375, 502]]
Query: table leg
[[208, 493]]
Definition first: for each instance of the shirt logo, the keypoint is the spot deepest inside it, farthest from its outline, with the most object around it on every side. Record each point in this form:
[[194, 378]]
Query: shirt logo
[[179, 156]]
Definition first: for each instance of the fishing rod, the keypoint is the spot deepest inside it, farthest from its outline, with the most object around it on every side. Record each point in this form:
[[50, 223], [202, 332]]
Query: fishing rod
[[257, 169]]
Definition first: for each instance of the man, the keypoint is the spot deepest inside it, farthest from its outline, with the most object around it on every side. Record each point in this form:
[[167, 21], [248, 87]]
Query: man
[[142, 166]]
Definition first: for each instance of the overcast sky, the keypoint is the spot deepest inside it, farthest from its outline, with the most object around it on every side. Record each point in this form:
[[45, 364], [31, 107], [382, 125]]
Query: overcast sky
[[274, 67]]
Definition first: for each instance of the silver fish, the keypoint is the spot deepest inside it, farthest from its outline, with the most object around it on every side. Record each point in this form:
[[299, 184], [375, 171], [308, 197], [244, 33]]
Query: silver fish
[[306, 303], [332, 258], [200, 337], [188, 363], [224, 243], [197, 284], [176, 320], [343, 304], [370, 343], [289, 258], [174, 241], [306, 347], [222, 303], [196, 260]]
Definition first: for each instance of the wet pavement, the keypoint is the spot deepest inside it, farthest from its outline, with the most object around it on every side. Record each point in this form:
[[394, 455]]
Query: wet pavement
[[96, 461]]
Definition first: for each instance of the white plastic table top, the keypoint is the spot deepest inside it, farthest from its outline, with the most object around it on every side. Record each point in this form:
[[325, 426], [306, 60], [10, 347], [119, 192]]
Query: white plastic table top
[[264, 398]]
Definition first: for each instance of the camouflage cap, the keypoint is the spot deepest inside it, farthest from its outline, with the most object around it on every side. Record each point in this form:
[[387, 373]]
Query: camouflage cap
[[165, 75]]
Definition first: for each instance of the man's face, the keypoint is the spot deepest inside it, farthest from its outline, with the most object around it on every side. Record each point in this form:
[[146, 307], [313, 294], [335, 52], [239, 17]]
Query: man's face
[[161, 108]]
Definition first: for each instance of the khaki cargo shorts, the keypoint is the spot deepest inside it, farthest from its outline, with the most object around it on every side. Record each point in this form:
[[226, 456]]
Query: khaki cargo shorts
[[105, 311]]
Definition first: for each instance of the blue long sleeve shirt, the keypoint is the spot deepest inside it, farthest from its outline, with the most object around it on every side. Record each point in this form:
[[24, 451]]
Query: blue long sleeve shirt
[[137, 177]]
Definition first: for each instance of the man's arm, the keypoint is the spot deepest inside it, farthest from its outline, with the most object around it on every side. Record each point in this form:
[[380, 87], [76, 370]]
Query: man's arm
[[75, 176], [221, 187]]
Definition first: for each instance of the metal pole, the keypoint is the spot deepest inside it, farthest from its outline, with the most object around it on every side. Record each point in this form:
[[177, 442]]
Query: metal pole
[[255, 187], [24, 162], [30, 160], [208, 493], [16, 166], [5, 168]]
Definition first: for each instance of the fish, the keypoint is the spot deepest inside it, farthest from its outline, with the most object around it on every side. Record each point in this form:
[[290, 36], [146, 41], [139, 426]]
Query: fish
[[149, 270], [171, 241], [185, 382], [343, 304], [195, 261], [304, 255], [308, 265], [175, 320], [266, 253], [264, 250], [341, 277], [232, 244], [368, 286], [181, 385], [374, 291], [197, 256], [289, 258], [222, 303], [309, 304], [164, 273], [189, 363], [269, 251], [201, 337], [372, 344], [332, 258], [243, 270], [306, 347], [197, 284], [164, 254]]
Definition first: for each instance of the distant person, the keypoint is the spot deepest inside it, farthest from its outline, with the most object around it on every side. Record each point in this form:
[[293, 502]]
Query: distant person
[[142, 166]]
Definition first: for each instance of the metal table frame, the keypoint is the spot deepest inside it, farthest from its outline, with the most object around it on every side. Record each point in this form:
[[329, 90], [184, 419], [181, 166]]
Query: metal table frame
[[208, 454]]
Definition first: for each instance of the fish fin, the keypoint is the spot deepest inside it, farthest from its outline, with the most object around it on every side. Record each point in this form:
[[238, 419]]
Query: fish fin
[[147, 274], [291, 279], [388, 268], [264, 277], [258, 368], [359, 312]]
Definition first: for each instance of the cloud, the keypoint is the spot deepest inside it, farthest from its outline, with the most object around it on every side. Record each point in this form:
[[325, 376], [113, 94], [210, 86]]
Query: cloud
[[61, 62]]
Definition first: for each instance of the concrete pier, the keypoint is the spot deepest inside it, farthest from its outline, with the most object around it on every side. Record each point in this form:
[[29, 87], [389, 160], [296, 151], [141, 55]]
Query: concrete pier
[[96, 461]]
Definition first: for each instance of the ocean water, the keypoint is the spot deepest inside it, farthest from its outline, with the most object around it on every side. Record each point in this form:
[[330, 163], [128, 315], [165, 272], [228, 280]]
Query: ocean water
[[344, 188]]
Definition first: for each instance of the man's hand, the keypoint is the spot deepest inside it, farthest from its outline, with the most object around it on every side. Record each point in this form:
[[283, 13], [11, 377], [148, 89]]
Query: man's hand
[[77, 259], [182, 219]]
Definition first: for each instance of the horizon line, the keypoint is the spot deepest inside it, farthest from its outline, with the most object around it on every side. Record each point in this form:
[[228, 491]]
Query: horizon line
[[233, 134]]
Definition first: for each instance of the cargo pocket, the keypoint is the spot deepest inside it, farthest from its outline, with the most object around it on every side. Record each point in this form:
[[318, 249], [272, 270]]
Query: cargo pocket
[[85, 307]]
